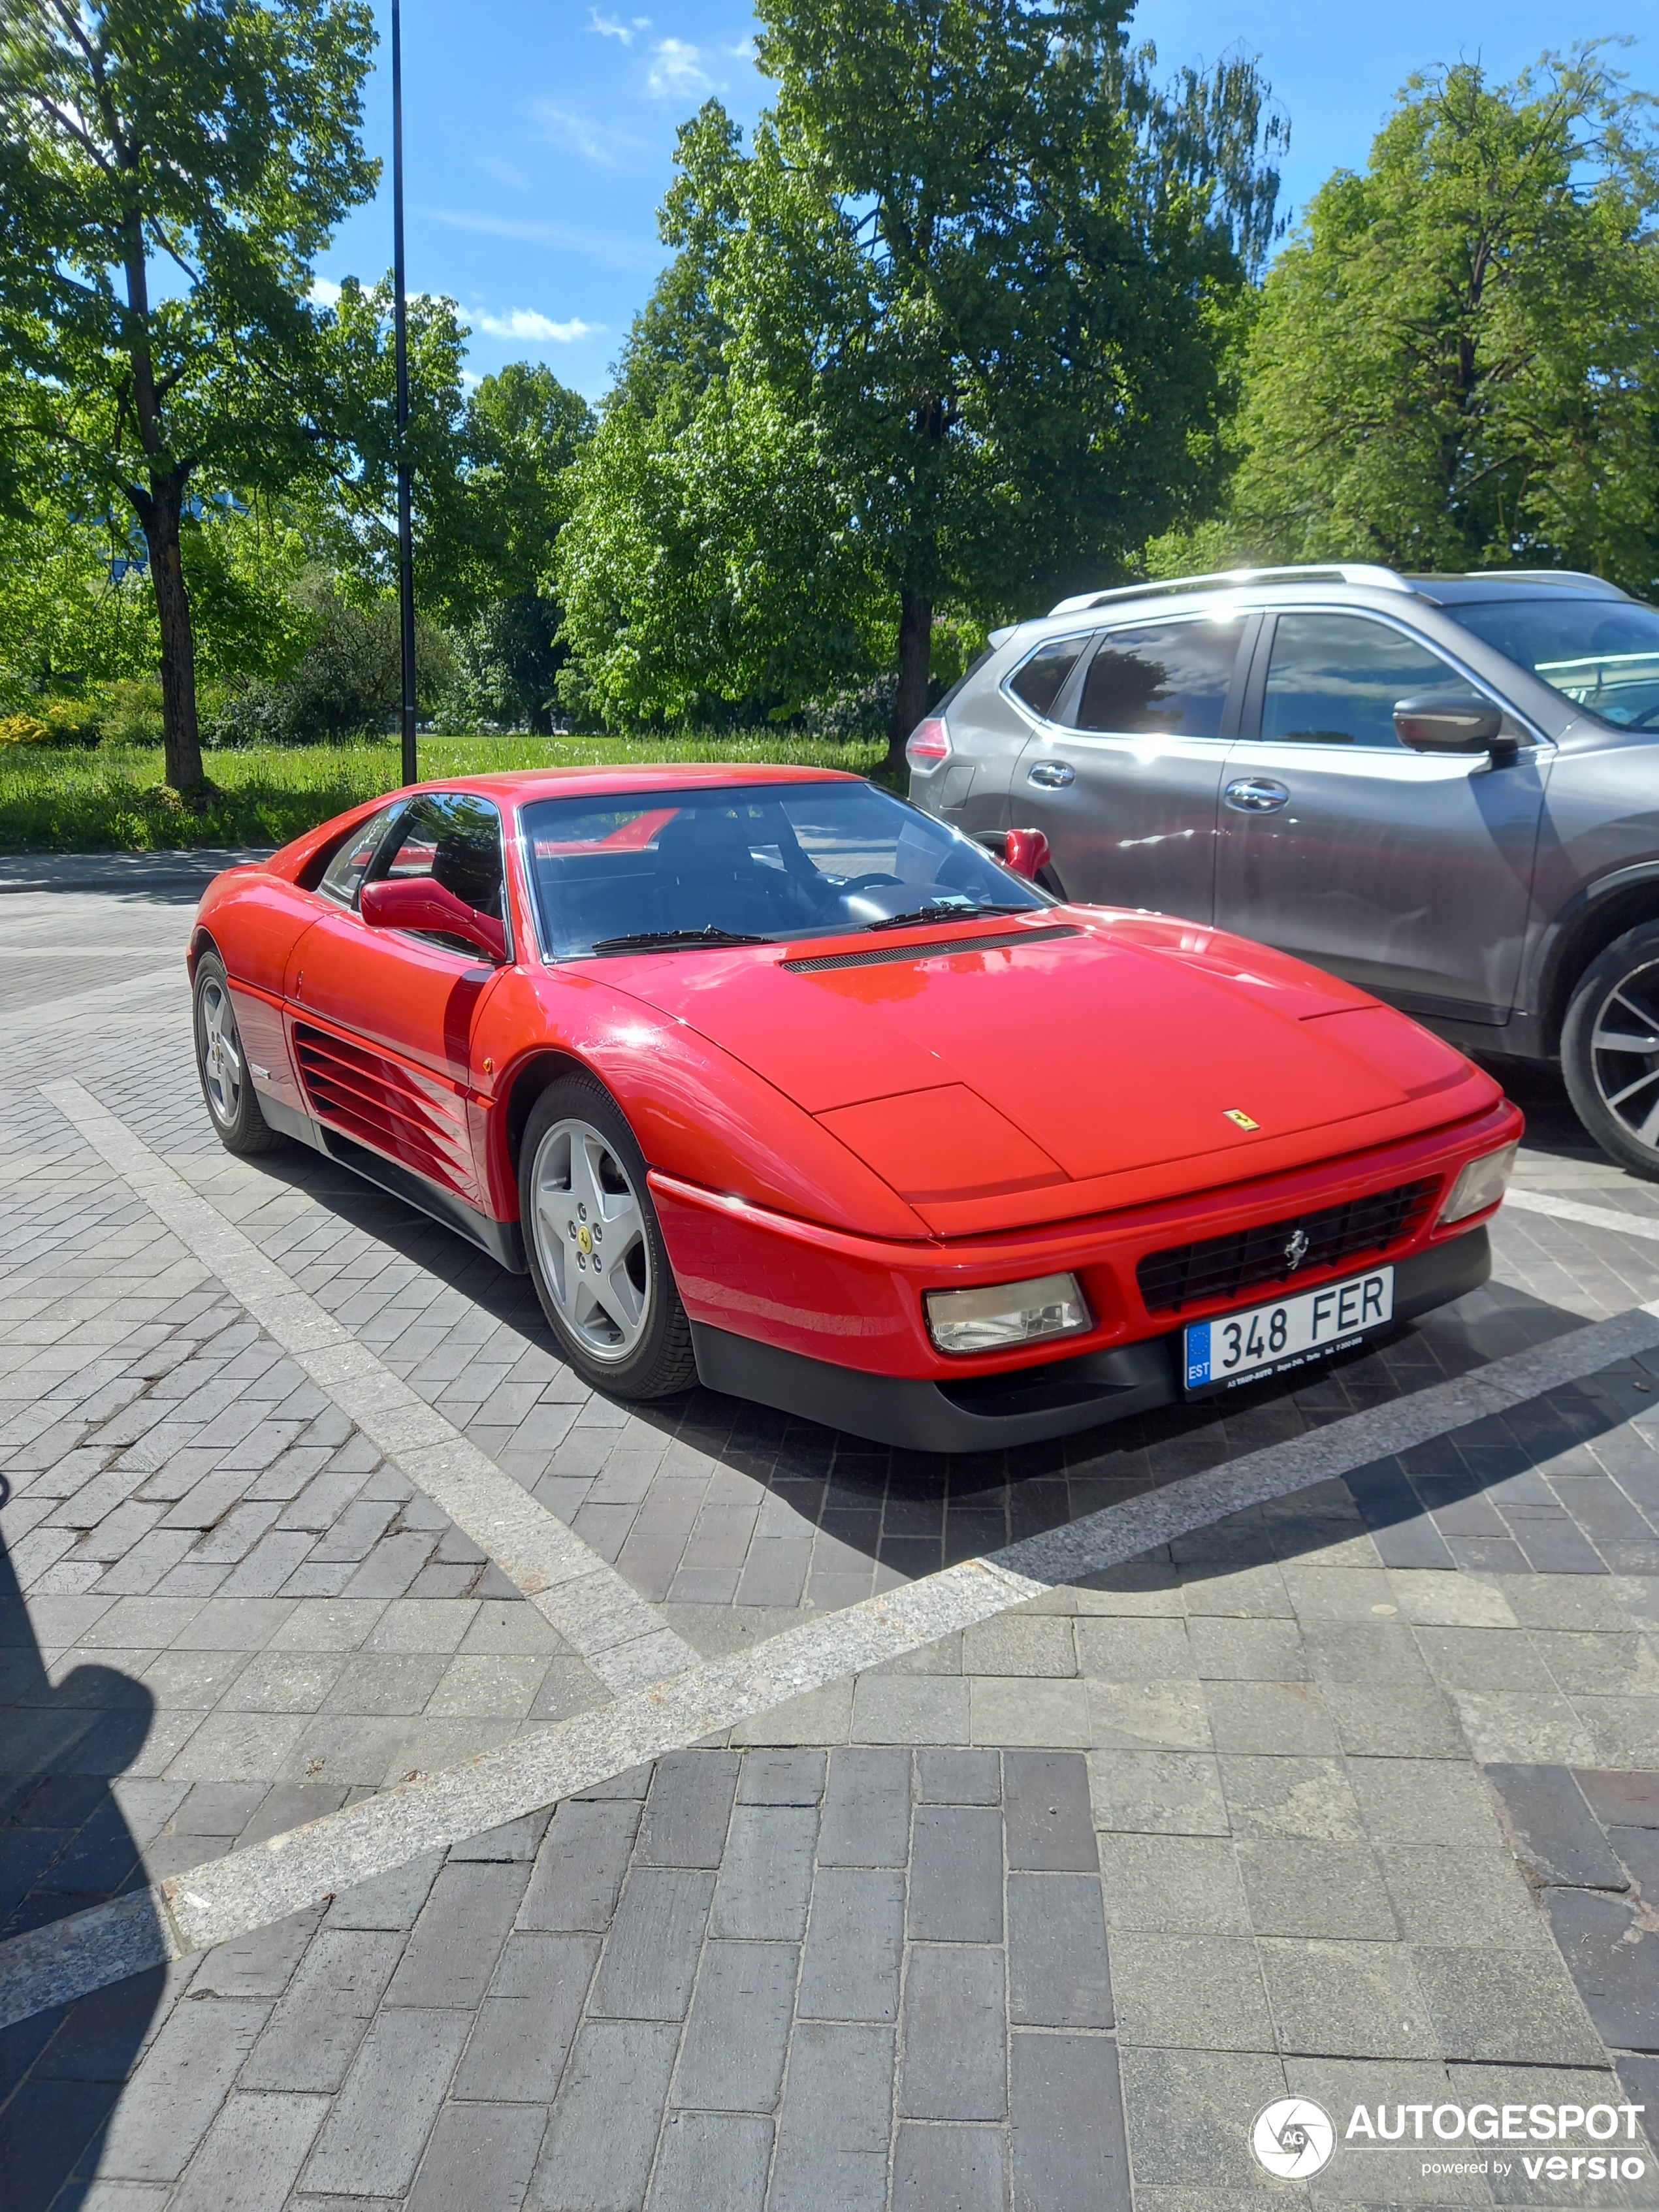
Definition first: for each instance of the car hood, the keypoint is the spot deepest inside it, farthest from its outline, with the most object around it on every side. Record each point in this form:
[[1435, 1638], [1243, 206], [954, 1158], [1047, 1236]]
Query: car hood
[[1042, 1068]]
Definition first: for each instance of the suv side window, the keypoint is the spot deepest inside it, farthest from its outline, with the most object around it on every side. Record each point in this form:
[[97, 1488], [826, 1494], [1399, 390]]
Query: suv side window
[[455, 838], [344, 876], [1333, 678], [1041, 677], [1170, 678]]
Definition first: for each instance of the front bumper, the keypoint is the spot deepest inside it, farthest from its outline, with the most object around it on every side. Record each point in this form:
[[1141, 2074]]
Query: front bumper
[[1025, 1405]]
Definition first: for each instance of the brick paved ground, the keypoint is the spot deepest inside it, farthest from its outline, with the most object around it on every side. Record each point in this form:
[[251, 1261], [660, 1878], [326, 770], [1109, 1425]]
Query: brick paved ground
[[1042, 1914]]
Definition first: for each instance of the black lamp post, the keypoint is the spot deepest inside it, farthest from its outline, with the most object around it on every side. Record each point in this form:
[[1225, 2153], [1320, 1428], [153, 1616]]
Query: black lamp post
[[405, 520]]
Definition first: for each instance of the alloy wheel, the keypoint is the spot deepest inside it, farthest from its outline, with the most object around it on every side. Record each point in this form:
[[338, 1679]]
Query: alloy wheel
[[590, 1240], [221, 1050], [1624, 1053]]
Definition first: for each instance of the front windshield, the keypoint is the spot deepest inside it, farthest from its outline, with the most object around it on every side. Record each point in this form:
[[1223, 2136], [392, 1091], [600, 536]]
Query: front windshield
[[1603, 654], [622, 873]]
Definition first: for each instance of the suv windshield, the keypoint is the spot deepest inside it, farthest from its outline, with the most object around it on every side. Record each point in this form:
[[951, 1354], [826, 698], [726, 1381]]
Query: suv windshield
[[1603, 654], [623, 872]]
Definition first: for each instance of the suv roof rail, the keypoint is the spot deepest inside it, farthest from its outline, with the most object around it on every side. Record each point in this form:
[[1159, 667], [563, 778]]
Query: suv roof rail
[[1345, 572], [1579, 579]]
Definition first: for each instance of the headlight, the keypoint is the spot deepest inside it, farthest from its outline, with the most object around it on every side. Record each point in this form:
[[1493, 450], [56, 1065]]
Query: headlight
[[1481, 1184], [1006, 1313]]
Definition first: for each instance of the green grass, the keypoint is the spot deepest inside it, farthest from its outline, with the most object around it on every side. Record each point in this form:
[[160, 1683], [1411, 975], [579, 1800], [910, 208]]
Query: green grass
[[59, 800]]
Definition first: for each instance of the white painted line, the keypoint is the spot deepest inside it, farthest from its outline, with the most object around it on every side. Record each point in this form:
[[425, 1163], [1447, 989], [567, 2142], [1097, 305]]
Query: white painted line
[[596, 1611], [1592, 1217], [250, 1888]]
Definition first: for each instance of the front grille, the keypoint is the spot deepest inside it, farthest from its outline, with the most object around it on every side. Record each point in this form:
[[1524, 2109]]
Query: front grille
[[885, 955], [1221, 1266]]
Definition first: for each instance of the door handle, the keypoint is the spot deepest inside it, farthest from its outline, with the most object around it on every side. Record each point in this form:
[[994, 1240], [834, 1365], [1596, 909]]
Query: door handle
[[1257, 795], [1052, 775]]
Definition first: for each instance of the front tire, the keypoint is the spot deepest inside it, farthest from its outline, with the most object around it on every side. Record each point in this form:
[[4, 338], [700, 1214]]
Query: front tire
[[595, 1246], [1610, 1050], [222, 1065]]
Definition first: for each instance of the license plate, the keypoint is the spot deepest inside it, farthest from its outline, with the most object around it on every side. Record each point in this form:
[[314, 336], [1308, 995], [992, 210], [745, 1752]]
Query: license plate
[[1291, 1333]]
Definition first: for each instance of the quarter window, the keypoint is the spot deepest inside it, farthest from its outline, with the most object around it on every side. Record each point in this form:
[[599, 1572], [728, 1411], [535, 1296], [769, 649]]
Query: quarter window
[[1170, 678], [1333, 679], [345, 874], [1041, 677]]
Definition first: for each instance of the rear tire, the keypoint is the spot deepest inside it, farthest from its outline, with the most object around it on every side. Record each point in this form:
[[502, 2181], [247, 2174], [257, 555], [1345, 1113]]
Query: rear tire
[[1610, 1050], [222, 1065], [595, 1246]]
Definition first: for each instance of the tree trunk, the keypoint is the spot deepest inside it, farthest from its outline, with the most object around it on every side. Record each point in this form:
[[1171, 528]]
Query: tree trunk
[[916, 652], [181, 736]]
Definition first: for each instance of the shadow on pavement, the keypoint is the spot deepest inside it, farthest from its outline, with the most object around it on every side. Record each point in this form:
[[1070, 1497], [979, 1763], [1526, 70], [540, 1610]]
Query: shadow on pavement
[[64, 1844]]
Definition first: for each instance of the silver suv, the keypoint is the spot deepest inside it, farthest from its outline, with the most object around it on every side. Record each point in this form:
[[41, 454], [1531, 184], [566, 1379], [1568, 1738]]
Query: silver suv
[[1445, 789]]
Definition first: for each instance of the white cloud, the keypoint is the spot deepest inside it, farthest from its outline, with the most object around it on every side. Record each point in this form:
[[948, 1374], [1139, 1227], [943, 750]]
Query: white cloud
[[677, 69], [598, 141], [325, 291], [612, 27], [742, 51], [523, 323]]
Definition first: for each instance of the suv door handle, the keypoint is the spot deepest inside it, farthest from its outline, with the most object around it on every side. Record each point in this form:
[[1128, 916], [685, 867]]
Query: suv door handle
[[1052, 774], [1257, 795]]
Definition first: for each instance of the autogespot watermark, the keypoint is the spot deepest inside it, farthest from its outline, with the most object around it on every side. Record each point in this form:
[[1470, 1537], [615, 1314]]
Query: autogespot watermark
[[1293, 2138]]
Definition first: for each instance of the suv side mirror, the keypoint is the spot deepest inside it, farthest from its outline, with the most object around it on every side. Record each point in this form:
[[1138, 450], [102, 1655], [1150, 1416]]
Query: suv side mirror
[[416, 902], [1449, 723]]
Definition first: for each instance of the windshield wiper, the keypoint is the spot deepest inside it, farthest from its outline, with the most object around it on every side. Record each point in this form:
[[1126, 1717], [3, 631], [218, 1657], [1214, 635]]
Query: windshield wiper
[[665, 940], [954, 912]]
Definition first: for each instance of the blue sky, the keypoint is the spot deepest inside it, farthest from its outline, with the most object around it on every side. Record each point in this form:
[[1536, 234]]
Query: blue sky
[[540, 134]]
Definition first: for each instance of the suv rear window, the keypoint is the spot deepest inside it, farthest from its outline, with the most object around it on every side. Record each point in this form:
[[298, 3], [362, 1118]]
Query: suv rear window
[[1603, 654], [1041, 677]]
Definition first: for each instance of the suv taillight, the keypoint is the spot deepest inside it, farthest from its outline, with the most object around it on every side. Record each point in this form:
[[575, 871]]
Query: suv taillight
[[928, 743]]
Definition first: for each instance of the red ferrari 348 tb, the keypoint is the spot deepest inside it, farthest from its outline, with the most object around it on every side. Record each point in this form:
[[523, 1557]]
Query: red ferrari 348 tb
[[770, 1079]]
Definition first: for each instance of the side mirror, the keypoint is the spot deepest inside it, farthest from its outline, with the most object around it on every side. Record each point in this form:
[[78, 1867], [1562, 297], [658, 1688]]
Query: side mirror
[[1026, 853], [1449, 722], [416, 902]]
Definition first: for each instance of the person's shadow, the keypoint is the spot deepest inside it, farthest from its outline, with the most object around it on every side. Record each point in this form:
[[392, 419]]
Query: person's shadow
[[64, 1844]]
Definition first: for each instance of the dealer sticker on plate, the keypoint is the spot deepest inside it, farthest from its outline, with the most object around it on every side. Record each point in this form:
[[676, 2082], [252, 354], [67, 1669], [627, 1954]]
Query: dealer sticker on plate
[[1244, 1347]]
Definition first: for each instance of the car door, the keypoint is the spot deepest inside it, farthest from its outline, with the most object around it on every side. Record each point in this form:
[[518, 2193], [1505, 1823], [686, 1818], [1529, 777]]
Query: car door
[[1124, 773], [382, 1020], [1408, 872]]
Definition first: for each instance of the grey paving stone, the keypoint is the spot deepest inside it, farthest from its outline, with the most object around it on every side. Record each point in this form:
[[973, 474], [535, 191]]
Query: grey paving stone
[[905, 1710], [1271, 1798], [835, 2123], [1068, 2147], [1172, 1883], [954, 2062], [781, 1777], [378, 2126], [1158, 1792], [1049, 1821], [1266, 1649], [480, 2159], [950, 2169], [525, 2027], [602, 2135], [1604, 1946], [1501, 2005], [253, 2154], [1553, 1828], [450, 1956], [737, 2035], [1195, 1992], [1393, 1720], [711, 2159], [258, 1964], [854, 1945], [579, 1870], [1270, 1717], [650, 1960], [1218, 2095], [177, 2089], [766, 1876], [1452, 1898], [866, 1809], [1058, 1975], [1297, 1885], [313, 2035], [956, 1874], [949, 1777], [1350, 1999], [688, 1808]]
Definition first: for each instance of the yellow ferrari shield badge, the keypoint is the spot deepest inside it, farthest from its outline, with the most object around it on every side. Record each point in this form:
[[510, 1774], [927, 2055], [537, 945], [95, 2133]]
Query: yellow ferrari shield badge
[[1237, 1114]]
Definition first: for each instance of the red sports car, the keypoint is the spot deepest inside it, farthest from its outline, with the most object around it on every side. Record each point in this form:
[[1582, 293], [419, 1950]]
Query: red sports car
[[772, 1081]]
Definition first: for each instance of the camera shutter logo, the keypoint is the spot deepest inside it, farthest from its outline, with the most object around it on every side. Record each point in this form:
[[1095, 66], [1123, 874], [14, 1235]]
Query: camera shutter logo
[[1293, 2138]]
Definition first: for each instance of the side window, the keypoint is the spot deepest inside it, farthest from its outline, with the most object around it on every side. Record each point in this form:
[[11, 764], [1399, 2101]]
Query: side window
[[1041, 677], [1334, 680], [455, 839], [344, 876], [1168, 677]]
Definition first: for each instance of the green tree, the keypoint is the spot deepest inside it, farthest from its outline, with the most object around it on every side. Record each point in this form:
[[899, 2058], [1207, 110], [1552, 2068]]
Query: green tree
[[976, 275], [1457, 361], [168, 171]]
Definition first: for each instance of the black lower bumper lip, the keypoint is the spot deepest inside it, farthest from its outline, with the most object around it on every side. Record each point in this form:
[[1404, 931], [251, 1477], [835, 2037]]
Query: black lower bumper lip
[[1031, 1404]]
